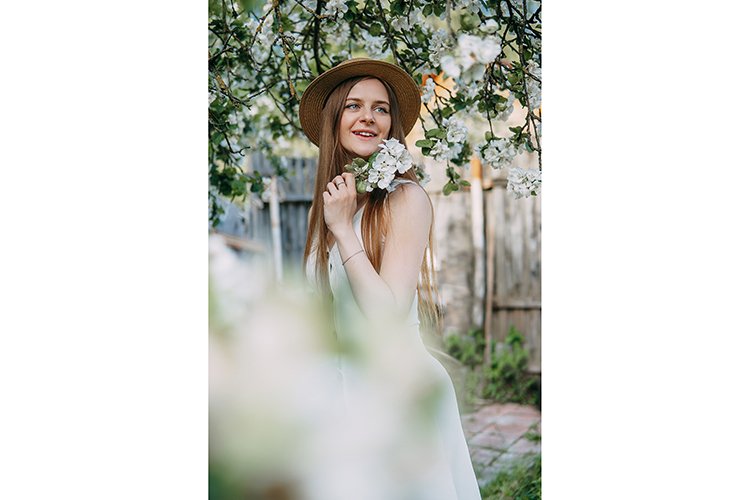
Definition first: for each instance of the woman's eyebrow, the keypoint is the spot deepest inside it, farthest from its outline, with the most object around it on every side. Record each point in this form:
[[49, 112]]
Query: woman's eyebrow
[[360, 100]]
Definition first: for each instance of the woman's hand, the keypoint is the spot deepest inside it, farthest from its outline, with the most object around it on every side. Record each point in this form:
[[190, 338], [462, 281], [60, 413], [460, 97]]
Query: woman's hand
[[340, 203]]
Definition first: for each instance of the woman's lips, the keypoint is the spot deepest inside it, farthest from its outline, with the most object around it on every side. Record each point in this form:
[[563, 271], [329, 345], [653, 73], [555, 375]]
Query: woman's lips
[[364, 138]]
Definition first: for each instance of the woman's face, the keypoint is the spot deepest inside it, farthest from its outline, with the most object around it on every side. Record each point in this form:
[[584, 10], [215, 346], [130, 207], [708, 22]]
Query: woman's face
[[366, 119]]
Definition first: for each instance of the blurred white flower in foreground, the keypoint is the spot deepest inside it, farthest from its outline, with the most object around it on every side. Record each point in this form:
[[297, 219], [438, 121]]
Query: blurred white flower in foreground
[[282, 424]]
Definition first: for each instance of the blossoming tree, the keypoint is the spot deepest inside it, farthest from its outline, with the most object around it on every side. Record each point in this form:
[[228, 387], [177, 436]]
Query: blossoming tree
[[475, 60]]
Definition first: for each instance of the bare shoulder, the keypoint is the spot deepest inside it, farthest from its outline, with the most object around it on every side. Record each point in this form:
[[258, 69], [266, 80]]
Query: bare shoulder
[[410, 196], [411, 202]]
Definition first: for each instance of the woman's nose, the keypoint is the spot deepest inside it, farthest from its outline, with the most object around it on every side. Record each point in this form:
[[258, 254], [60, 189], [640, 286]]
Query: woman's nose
[[367, 116]]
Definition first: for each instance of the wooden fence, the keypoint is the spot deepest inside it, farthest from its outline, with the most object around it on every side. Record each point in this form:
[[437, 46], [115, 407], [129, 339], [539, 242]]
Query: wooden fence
[[294, 197], [514, 227], [512, 233]]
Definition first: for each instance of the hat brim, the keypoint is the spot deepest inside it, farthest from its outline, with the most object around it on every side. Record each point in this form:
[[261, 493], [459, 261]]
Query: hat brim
[[314, 97]]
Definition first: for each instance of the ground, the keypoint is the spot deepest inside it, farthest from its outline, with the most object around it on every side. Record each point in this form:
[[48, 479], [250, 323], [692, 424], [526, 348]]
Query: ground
[[497, 434]]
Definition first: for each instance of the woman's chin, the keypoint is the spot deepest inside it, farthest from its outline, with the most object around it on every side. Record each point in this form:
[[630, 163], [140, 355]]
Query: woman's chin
[[363, 152]]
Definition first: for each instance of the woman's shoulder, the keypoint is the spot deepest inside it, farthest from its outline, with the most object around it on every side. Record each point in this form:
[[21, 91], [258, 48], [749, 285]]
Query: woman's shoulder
[[411, 198]]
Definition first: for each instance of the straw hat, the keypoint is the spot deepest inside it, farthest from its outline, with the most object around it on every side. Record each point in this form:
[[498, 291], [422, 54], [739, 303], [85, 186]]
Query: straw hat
[[407, 92]]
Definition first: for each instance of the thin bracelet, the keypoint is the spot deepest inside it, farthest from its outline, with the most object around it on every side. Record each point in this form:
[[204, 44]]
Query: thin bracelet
[[352, 255]]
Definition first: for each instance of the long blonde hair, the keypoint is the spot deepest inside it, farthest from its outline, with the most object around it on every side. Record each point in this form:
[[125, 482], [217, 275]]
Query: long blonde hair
[[376, 217]]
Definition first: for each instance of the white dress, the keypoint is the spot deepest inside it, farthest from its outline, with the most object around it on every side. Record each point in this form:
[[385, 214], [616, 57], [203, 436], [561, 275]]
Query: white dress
[[445, 470]]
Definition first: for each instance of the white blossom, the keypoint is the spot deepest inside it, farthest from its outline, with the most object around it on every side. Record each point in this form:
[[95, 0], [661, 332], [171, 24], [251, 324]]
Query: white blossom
[[470, 5], [474, 53], [455, 150], [472, 89], [507, 110], [536, 43], [524, 182], [531, 6], [533, 87], [336, 33], [266, 194], [333, 7], [489, 26], [400, 23], [380, 175], [262, 105], [439, 45], [407, 23], [391, 146], [498, 153], [440, 151], [457, 131], [429, 91], [393, 157], [375, 46]]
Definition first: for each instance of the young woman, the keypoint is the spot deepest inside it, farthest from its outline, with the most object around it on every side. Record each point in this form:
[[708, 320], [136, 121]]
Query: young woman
[[371, 250]]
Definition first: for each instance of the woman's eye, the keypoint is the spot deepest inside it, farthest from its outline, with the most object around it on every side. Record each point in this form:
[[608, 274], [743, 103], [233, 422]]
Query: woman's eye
[[382, 109], [350, 105]]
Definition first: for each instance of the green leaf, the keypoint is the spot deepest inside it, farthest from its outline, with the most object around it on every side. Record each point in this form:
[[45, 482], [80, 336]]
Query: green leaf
[[424, 143], [397, 7], [349, 16], [464, 182], [449, 188], [436, 132], [488, 136], [427, 10], [375, 29]]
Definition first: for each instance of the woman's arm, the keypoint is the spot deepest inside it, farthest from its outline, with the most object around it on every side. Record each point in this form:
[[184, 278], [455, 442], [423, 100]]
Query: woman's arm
[[405, 243]]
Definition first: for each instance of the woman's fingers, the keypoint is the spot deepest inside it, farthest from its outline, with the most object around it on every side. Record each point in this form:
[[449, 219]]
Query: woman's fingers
[[341, 183], [349, 180]]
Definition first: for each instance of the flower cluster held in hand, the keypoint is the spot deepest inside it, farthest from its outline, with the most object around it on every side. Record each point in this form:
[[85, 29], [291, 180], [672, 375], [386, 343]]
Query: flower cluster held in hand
[[380, 169]]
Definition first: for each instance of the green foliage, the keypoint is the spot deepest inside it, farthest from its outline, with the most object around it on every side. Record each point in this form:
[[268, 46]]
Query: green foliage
[[262, 55], [521, 481], [506, 378], [467, 349]]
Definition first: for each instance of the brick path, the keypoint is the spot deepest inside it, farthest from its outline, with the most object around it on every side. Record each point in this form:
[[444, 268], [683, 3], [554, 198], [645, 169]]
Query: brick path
[[495, 434]]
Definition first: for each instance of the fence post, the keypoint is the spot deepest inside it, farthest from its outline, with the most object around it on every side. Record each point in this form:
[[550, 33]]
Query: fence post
[[275, 226]]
